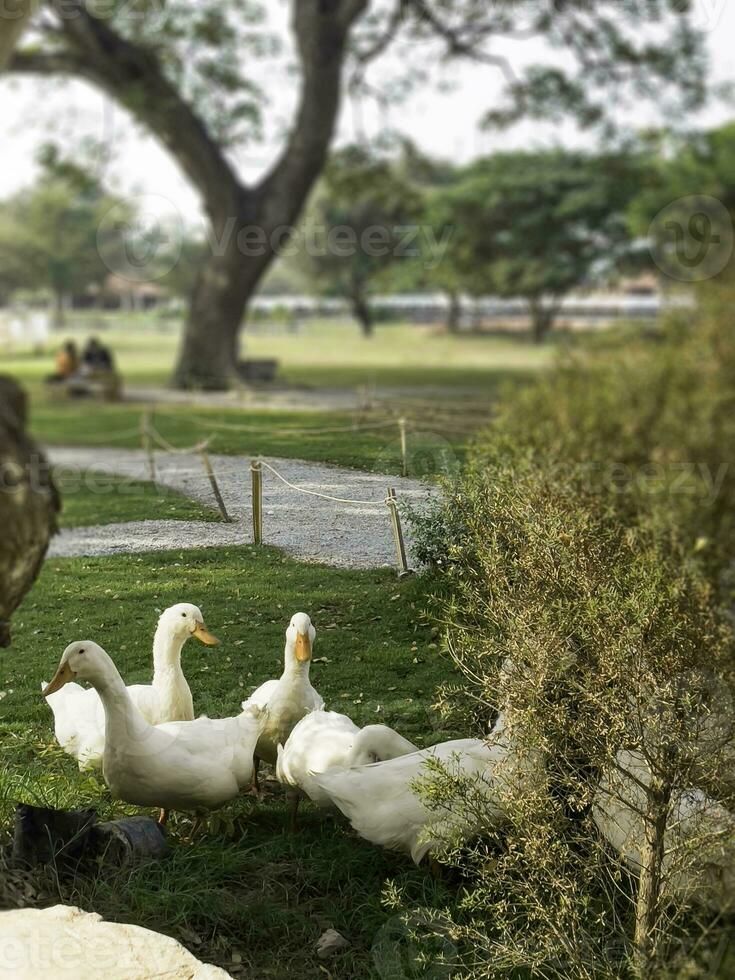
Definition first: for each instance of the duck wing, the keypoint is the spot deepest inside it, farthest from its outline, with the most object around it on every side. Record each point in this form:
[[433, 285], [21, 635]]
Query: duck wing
[[220, 743], [381, 804], [79, 723], [260, 696], [320, 741]]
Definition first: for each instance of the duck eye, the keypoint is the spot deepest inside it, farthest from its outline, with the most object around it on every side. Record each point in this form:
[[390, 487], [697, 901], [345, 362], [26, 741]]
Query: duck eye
[[184, 615], [82, 650]]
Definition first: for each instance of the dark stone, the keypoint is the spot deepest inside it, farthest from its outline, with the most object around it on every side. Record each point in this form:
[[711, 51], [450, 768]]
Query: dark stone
[[131, 840], [43, 835]]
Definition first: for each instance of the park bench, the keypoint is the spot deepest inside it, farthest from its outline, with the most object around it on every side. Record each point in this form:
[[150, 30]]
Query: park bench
[[264, 369], [103, 385]]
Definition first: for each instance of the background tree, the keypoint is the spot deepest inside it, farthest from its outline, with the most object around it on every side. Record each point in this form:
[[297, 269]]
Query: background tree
[[686, 208], [431, 268], [201, 105], [52, 236], [536, 225], [356, 233]]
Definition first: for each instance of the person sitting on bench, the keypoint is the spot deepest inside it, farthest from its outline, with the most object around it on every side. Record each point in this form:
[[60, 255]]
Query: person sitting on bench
[[67, 363], [96, 358]]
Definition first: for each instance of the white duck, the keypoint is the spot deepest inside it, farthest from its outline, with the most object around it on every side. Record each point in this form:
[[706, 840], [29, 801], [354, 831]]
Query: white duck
[[325, 739], [183, 765], [380, 800], [699, 862], [288, 699], [79, 718]]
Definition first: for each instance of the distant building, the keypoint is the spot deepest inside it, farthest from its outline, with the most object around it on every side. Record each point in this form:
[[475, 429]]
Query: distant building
[[118, 293]]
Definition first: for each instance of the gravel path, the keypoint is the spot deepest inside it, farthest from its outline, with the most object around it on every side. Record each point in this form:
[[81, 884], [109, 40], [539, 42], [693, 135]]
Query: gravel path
[[309, 528]]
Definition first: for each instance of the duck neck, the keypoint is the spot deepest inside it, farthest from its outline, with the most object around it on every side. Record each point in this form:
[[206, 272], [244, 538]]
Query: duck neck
[[168, 677], [122, 718], [294, 669], [377, 743]]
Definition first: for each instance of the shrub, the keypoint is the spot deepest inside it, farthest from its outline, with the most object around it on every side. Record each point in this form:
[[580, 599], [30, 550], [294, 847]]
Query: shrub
[[582, 559], [650, 425], [592, 638]]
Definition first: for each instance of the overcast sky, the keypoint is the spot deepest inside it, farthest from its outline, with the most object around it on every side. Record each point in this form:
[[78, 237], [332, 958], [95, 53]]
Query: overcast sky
[[444, 124]]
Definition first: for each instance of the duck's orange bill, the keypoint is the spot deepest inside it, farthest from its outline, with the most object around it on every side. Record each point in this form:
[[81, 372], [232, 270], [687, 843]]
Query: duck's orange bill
[[204, 636], [303, 647], [62, 676]]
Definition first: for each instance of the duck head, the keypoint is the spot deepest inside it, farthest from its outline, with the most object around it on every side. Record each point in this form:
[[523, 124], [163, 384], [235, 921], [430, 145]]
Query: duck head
[[84, 661], [184, 620], [300, 637]]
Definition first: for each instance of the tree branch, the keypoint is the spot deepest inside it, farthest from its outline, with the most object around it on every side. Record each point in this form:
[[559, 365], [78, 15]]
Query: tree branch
[[383, 41], [322, 29], [133, 76], [458, 45], [50, 63]]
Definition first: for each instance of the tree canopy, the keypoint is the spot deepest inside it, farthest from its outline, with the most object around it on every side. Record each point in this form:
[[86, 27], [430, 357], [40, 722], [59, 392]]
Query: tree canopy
[[357, 230], [191, 75], [686, 209], [53, 236], [536, 225]]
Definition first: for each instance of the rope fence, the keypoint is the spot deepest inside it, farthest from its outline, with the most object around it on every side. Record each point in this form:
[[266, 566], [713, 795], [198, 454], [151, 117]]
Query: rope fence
[[152, 438], [315, 493], [285, 429], [405, 426], [390, 499], [426, 424], [426, 420], [166, 446]]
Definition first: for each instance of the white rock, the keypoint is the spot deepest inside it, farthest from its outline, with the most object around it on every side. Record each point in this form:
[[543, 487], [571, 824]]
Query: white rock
[[65, 942], [330, 943]]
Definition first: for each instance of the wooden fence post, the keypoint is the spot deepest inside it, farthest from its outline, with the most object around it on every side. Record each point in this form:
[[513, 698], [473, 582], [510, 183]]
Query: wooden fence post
[[392, 502], [256, 473], [404, 447], [145, 438], [207, 464]]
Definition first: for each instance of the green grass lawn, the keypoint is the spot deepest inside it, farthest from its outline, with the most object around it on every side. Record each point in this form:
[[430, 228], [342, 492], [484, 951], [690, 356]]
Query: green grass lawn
[[323, 353], [92, 497], [286, 434], [445, 387], [245, 893]]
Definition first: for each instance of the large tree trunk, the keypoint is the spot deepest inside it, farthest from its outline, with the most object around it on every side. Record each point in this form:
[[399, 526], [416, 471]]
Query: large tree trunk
[[264, 213], [28, 505], [210, 343], [94, 50]]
